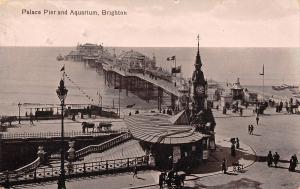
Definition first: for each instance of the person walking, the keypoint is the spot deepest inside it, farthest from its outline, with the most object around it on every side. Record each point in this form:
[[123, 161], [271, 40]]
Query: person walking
[[257, 119], [237, 143], [249, 129], [295, 161], [134, 172], [269, 159], [224, 166], [276, 158], [292, 166]]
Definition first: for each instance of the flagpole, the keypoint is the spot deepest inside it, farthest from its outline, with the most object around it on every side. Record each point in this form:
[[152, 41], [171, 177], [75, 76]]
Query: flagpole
[[175, 65], [264, 86], [263, 74]]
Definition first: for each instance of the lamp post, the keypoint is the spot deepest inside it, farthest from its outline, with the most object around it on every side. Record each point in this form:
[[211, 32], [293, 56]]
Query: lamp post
[[62, 94], [19, 105], [100, 98]]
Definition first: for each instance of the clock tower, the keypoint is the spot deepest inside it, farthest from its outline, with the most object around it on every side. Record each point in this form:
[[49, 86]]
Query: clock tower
[[199, 86]]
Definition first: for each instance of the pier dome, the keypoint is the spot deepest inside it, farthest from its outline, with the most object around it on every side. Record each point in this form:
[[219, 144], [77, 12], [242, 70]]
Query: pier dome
[[136, 59]]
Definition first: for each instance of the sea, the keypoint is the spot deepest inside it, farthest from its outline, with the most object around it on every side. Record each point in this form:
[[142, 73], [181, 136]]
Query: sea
[[32, 74]]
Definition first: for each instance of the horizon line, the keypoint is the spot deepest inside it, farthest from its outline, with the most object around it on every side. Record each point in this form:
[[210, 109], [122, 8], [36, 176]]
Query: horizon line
[[158, 46]]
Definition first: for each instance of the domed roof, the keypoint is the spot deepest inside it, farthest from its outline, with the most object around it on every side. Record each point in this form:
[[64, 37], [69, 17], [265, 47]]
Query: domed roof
[[133, 55]]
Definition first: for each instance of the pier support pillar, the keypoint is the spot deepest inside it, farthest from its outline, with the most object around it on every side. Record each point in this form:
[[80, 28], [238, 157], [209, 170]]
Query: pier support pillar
[[173, 102], [147, 85], [120, 82], [105, 77], [160, 93], [127, 84], [115, 79]]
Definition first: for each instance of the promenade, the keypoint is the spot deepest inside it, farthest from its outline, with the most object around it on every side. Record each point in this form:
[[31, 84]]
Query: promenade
[[276, 132]]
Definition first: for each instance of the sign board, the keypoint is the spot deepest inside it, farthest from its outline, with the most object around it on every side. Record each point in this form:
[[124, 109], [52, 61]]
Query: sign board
[[176, 154]]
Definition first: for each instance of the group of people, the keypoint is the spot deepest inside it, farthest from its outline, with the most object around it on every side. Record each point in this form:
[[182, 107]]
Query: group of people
[[250, 129], [293, 163], [171, 178], [275, 159]]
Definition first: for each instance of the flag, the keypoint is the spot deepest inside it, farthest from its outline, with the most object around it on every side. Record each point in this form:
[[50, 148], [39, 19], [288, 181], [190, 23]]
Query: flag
[[263, 71], [63, 68], [171, 58], [176, 69]]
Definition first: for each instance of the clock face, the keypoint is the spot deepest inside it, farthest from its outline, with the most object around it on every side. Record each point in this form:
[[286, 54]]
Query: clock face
[[200, 89]]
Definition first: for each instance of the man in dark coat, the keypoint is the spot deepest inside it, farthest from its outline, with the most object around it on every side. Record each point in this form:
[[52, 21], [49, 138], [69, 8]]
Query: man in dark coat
[[276, 158], [269, 159]]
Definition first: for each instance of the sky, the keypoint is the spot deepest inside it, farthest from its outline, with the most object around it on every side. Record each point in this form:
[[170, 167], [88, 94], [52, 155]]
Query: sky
[[157, 23]]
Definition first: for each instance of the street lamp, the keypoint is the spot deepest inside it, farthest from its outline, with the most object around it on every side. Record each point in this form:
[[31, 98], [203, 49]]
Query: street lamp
[[62, 94], [19, 105], [100, 98]]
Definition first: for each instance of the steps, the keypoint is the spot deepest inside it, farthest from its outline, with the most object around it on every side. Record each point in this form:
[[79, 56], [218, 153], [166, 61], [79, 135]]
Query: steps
[[128, 149]]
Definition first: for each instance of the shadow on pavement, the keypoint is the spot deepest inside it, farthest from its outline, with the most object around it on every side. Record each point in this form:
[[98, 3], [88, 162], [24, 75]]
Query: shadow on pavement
[[241, 183], [256, 134], [213, 164]]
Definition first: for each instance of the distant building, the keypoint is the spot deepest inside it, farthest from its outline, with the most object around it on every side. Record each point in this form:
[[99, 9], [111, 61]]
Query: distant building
[[85, 52], [237, 90], [226, 100], [136, 60]]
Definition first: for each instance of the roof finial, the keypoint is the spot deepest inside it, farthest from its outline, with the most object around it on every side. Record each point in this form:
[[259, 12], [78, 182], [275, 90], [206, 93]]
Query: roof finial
[[198, 37]]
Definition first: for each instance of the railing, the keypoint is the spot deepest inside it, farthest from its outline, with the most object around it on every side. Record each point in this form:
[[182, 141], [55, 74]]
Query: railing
[[58, 134], [32, 166], [74, 170], [103, 146], [167, 86]]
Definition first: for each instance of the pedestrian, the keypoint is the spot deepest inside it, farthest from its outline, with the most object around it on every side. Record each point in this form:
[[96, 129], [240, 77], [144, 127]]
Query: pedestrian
[[161, 180], [257, 119], [295, 160], [233, 150], [241, 112], [269, 159], [237, 143], [224, 166], [249, 129], [31, 118], [276, 158], [291, 167], [134, 172]]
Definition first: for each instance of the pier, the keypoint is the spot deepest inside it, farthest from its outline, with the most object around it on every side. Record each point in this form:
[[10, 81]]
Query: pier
[[145, 85]]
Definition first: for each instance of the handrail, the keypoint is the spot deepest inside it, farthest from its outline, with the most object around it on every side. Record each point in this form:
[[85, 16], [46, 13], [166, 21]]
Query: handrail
[[58, 134], [75, 170], [31, 166], [103, 146]]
